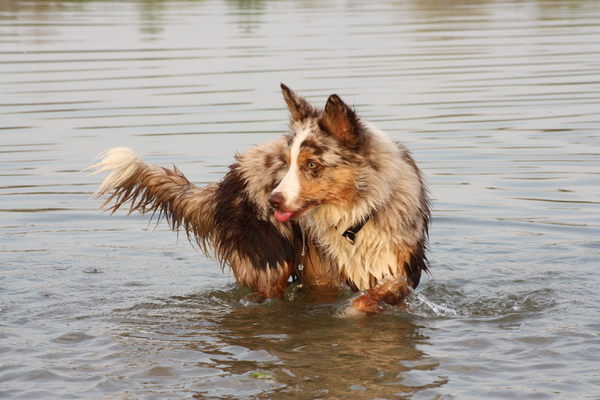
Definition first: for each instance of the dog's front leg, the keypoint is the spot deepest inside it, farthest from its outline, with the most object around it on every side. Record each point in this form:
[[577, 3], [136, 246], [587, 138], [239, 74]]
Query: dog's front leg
[[265, 283], [391, 290]]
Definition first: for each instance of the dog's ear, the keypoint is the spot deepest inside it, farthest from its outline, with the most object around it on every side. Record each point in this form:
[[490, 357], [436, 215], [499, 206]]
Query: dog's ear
[[298, 106], [340, 121]]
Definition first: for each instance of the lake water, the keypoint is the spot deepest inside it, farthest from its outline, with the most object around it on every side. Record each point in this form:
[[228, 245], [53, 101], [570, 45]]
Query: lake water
[[499, 102]]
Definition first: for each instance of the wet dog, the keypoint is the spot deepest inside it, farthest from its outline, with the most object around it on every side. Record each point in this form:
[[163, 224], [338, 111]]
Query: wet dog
[[333, 202]]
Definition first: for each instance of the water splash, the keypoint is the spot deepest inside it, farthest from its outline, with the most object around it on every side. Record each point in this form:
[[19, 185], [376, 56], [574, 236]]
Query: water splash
[[419, 304], [453, 299]]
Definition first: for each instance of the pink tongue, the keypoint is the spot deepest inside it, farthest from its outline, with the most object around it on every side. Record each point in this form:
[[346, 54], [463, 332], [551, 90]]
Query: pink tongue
[[282, 216]]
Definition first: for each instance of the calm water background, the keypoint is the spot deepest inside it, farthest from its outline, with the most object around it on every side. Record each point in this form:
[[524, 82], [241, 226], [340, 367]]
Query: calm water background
[[499, 102]]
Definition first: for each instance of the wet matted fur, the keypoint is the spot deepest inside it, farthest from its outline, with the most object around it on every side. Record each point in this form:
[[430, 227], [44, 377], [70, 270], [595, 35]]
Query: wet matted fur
[[333, 202]]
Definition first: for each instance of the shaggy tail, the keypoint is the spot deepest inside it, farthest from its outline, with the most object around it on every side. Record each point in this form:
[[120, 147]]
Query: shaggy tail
[[220, 217], [148, 188]]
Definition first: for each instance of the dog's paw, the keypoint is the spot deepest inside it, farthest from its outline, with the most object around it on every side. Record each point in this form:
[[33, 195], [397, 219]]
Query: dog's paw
[[368, 305], [252, 299]]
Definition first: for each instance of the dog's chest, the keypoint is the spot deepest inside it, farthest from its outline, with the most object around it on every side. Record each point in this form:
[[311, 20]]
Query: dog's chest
[[370, 258]]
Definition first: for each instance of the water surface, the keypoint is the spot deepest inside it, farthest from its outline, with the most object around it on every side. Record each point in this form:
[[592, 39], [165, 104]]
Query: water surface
[[497, 100]]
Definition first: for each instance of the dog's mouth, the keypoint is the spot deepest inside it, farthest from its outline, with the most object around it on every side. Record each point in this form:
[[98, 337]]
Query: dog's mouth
[[284, 216]]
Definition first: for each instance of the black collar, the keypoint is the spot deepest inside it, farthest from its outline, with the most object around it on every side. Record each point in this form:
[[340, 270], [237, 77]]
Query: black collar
[[351, 232]]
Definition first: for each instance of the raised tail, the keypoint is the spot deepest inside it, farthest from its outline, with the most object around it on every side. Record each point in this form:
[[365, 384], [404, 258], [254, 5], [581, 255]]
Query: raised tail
[[221, 217], [148, 188]]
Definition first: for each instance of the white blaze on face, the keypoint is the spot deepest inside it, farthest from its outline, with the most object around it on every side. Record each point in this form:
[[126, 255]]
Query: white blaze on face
[[290, 185]]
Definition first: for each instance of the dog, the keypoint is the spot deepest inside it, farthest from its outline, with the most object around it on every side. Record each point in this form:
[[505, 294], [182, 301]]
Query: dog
[[332, 203]]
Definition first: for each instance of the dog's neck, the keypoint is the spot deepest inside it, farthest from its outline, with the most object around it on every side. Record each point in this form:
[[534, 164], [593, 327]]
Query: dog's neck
[[331, 221], [351, 232]]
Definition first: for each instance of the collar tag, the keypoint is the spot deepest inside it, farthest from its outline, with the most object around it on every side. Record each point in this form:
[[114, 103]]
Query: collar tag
[[350, 235], [351, 232]]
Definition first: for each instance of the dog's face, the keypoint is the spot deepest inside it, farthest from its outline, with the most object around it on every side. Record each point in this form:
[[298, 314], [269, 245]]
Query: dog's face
[[321, 156]]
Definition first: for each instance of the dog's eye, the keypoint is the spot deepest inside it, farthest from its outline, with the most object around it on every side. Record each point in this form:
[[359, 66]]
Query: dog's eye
[[311, 165]]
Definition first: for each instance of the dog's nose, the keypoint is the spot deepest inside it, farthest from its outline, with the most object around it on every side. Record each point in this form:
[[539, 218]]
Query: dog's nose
[[276, 199]]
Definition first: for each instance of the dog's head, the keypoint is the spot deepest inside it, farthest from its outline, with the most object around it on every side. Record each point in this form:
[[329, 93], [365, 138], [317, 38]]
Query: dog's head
[[324, 148]]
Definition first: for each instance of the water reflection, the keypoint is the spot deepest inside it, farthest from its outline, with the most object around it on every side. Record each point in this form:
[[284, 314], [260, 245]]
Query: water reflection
[[251, 13], [152, 18], [292, 348]]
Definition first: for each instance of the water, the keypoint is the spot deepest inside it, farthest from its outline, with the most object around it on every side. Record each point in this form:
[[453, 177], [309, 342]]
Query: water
[[498, 101]]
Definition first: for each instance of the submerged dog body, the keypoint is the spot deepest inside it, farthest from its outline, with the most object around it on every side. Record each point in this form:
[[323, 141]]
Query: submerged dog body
[[333, 202]]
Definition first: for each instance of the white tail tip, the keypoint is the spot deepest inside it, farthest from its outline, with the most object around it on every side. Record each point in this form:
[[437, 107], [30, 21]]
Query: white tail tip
[[121, 162]]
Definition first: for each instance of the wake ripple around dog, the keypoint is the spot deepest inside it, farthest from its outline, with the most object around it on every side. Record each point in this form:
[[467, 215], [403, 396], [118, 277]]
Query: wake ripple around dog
[[453, 301], [420, 305]]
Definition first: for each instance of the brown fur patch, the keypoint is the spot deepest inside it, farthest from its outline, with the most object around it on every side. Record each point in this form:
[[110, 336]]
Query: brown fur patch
[[323, 184], [316, 148], [340, 121], [318, 270]]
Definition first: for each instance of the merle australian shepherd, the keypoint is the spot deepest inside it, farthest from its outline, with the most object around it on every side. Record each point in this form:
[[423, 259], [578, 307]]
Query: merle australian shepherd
[[332, 203]]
